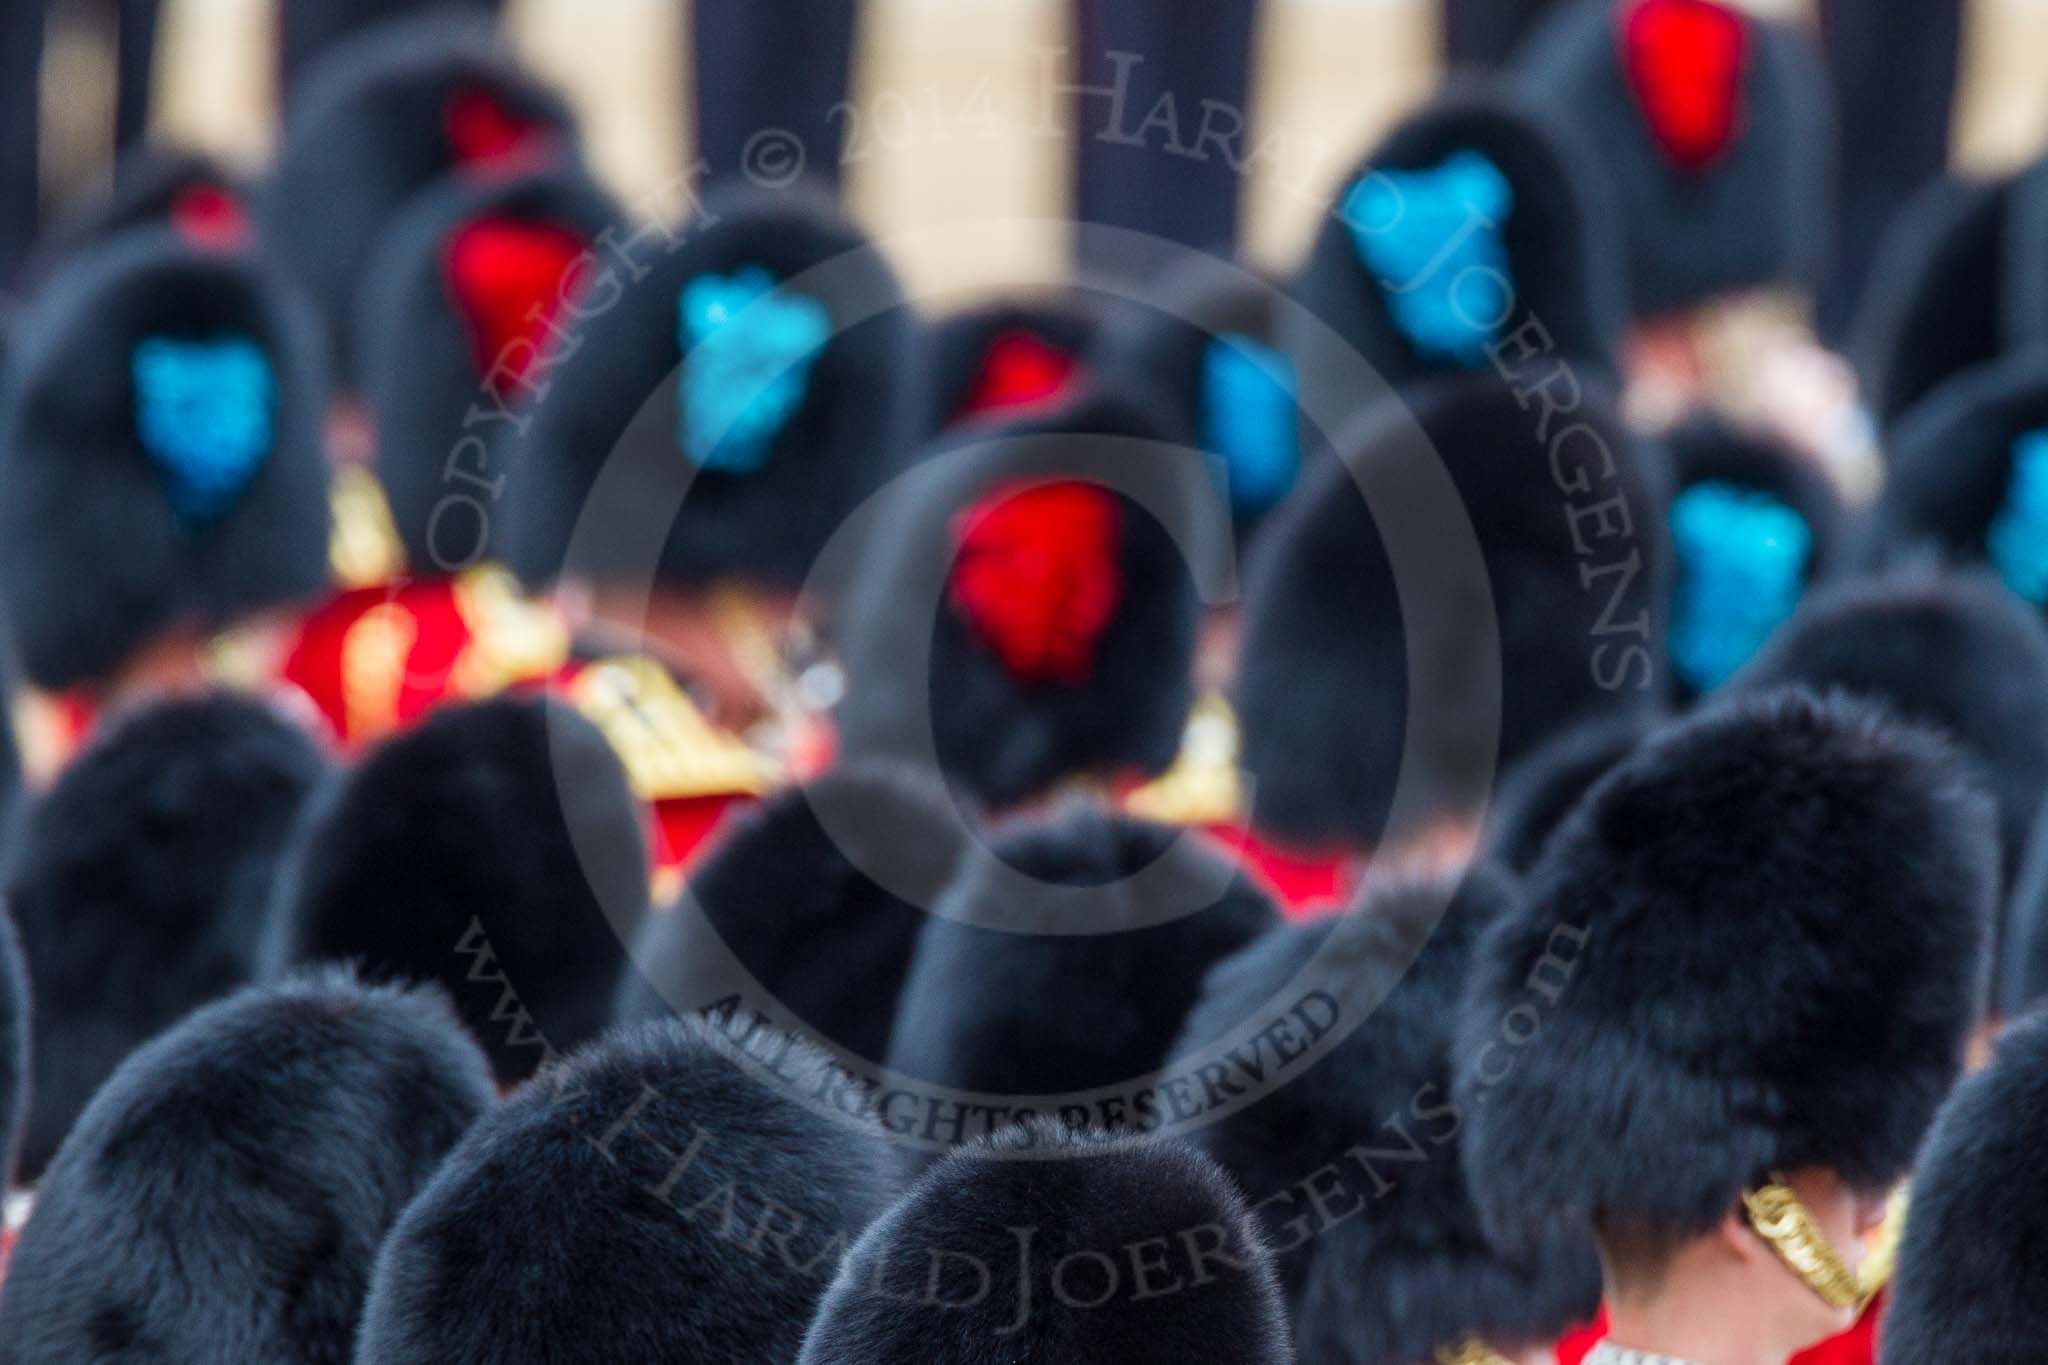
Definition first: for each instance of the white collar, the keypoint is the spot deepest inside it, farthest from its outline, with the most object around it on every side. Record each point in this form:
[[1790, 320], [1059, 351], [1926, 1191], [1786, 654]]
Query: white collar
[[1607, 1353]]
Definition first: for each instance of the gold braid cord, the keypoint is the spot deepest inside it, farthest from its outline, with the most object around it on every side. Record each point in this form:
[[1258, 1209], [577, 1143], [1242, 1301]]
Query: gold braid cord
[[670, 750], [363, 549], [1780, 1219], [1471, 1351], [1203, 787]]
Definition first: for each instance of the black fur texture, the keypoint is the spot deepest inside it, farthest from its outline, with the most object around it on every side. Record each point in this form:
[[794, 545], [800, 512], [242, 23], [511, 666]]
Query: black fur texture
[[1564, 251], [779, 905], [15, 1052], [1756, 945], [418, 355], [659, 1198], [93, 562], [1398, 1266], [2022, 965], [1537, 793], [1951, 463], [1574, 555], [365, 131], [999, 740], [1952, 651], [1933, 305], [601, 449], [138, 884], [990, 1257], [1757, 216], [148, 182], [495, 848], [1971, 1286], [1081, 977], [224, 1196]]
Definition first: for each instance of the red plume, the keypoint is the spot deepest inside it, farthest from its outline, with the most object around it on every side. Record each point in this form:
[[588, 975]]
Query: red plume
[[1020, 370], [1036, 575], [206, 215], [1684, 60], [508, 278], [486, 137]]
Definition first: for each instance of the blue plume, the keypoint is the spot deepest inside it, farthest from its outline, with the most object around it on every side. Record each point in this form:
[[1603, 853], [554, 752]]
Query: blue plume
[[1432, 238], [1742, 560], [747, 355], [2017, 544], [205, 412], [1248, 417]]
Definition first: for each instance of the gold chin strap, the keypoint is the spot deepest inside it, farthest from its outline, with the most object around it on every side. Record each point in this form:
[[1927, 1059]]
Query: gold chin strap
[[1470, 1351], [1780, 1219]]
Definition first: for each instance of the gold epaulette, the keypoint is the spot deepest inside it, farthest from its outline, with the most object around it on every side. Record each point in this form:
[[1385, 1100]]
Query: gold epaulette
[[1471, 1351], [41, 738], [363, 548], [374, 651], [1203, 787], [511, 636], [670, 749]]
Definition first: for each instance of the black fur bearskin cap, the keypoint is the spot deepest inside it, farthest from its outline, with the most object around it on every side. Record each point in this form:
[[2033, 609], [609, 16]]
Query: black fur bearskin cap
[[1205, 339], [380, 116], [779, 906], [463, 308], [1573, 555], [2022, 962], [1005, 357], [1969, 1287], [1952, 651], [160, 441], [14, 1046], [161, 185], [1139, 1252], [1755, 525], [1934, 304], [1537, 793], [224, 1195], [1967, 469], [1079, 977], [1475, 230], [738, 390], [1035, 562], [496, 848], [1744, 209], [659, 1197], [1756, 946], [1376, 1112], [138, 883]]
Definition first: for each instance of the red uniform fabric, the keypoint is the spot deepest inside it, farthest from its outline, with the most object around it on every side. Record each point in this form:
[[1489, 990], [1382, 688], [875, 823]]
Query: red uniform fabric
[[1857, 1346]]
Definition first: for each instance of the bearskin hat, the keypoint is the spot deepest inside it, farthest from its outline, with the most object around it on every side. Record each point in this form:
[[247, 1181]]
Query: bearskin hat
[[1714, 129], [1756, 946], [1008, 358], [1969, 1288], [1066, 956], [737, 396], [380, 116], [15, 1056], [1537, 793], [138, 884], [1754, 525], [668, 1195], [1376, 1110], [786, 907], [1968, 478], [1029, 604], [496, 848], [2022, 966], [1472, 237], [1205, 339], [1933, 306], [152, 185], [224, 1195], [1562, 543], [464, 305], [1952, 651], [160, 441], [1018, 1251]]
